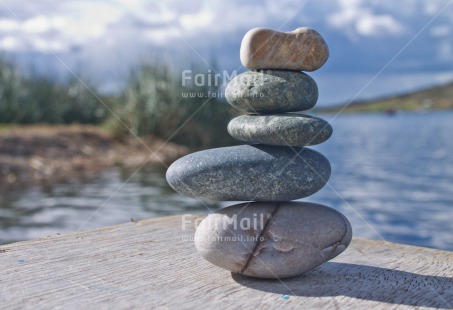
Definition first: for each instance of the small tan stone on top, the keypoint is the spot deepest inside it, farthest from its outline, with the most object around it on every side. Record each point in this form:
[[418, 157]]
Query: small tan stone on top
[[303, 49]]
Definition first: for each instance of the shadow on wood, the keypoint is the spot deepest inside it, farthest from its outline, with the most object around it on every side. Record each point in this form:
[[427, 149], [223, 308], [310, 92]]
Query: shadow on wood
[[362, 282]]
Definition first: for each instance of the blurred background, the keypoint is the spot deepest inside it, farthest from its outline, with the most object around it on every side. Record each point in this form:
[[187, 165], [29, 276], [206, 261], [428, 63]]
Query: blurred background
[[93, 109]]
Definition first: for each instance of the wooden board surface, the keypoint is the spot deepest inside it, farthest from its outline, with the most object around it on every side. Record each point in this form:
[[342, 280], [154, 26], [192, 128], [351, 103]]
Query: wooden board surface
[[153, 264]]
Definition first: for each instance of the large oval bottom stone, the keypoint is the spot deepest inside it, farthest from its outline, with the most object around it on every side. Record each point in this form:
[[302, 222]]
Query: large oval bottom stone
[[250, 172], [272, 240]]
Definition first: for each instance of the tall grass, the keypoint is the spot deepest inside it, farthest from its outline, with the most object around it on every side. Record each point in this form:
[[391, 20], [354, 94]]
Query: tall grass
[[38, 99], [153, 103]]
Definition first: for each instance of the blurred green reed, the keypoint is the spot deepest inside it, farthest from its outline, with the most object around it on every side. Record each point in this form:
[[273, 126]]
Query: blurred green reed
[[153, 102], [156, 102], [30, 99]]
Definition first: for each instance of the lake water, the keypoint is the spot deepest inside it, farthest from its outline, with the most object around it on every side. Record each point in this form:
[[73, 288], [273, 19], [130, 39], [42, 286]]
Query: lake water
[[391, 176]]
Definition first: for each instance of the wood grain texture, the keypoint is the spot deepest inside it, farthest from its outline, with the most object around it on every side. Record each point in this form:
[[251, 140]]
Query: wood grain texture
[[152, 265]]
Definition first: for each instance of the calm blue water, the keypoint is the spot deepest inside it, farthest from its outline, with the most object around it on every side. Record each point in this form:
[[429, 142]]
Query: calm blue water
[[392, 177]]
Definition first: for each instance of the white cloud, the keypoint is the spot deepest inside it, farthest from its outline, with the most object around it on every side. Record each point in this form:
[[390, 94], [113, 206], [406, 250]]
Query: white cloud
[[80, 23], [377, 25], [45, 46], [56, 26], [198, 20], [108, 34], [355, 19], [441, 31], [39, 24], [161, 37], [9, 44], [7, 25]]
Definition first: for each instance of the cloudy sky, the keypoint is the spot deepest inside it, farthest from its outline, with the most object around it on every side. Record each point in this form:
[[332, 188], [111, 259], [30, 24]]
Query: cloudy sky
[[378, 47]]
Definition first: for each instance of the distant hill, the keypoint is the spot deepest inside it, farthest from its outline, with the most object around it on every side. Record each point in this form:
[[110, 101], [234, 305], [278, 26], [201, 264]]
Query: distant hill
[[434, 98]]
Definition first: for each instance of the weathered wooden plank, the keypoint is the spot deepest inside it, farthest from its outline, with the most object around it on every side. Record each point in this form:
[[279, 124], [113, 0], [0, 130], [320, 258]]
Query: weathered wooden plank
[[152, 265]]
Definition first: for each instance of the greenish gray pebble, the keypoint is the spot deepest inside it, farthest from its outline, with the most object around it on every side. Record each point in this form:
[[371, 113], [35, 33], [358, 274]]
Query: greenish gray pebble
[[272, 240], [288, 129], [250, 172], [272, 91]]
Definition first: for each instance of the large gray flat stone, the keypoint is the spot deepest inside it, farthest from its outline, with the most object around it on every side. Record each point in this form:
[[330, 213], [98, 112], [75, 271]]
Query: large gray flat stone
[[250, 172]]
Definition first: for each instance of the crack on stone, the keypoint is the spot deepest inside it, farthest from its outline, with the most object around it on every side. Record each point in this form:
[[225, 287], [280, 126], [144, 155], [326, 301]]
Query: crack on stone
[[284, 246], [258, 242], [333, 248], [326, 253]]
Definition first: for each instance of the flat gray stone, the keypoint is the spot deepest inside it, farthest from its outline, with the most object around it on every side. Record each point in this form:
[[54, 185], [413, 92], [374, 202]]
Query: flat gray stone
[[289, 129], [272, 91], [272, 240], [250, 172]]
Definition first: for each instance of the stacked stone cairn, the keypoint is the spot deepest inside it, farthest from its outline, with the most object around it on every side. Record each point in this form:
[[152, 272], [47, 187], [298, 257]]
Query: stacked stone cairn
[[269, 236]]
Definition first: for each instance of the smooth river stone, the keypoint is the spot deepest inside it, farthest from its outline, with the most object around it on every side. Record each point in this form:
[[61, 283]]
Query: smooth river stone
[[272, 240], [303, 49], [272, 91], [250, 172], [289, 129]]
